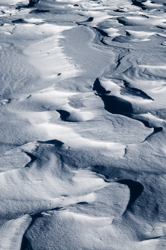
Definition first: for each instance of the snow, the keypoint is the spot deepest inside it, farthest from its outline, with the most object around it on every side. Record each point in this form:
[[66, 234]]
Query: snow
[[82, 125]]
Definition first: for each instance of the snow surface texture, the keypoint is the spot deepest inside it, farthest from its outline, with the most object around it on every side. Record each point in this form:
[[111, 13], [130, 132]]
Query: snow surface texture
[[82, 125]]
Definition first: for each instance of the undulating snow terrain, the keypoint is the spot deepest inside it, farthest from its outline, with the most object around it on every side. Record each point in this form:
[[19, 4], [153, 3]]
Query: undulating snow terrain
[[82, 125]]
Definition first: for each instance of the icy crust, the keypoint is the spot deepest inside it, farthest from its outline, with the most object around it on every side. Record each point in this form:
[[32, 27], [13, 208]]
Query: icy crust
[[82, 128]]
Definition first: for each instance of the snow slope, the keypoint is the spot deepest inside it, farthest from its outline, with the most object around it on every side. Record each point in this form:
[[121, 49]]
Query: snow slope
[[82, 128]]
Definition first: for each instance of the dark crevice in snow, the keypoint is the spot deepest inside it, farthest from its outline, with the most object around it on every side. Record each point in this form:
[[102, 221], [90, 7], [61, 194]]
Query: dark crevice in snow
[[100, 35], [90, 19], [99, 88], [139, 3], [101, 32], [33, 158], [137, 92], [155, 131], [82, 203], [118, 105], [146, 123], [120, 57], [113, 104], [54, 142], [63, 114], [38, 11], [136, 188], [33, 2], [25, 245], [113, 174], [19, 21]]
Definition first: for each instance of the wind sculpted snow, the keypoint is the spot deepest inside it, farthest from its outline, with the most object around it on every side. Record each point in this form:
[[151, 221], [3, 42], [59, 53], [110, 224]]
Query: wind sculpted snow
[[82, 125]]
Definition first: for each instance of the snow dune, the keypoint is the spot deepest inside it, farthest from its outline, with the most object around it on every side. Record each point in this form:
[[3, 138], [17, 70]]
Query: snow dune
[[82, 128]]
